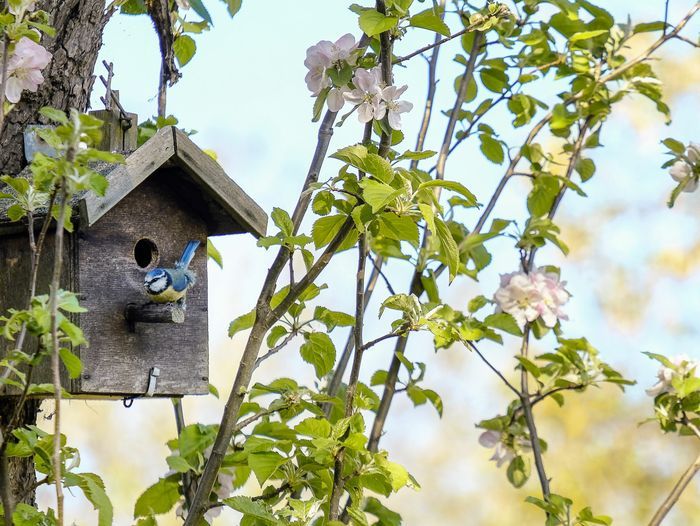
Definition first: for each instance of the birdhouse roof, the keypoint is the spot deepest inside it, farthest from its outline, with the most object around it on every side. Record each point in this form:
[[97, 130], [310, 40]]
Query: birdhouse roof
[[193, 174]]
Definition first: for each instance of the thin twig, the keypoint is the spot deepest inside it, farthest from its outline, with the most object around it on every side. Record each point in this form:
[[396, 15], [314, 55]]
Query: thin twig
[[430, 97], [338, 480], [277, 348], [188, 483], [675, 494], [377, 265], [440, 42], [55, 357], [490, 366]]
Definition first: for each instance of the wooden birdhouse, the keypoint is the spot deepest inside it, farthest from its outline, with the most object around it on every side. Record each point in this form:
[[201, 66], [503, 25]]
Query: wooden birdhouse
[[167, 193]]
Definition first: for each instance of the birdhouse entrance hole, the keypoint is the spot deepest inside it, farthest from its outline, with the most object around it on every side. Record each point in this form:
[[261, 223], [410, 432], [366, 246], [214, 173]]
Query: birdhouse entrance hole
[[145, 253]]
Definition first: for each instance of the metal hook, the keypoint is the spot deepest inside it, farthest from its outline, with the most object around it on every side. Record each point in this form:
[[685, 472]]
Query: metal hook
[[152, 380]]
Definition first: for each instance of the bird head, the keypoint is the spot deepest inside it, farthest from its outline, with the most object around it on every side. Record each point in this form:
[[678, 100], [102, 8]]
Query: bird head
[[156, 281]]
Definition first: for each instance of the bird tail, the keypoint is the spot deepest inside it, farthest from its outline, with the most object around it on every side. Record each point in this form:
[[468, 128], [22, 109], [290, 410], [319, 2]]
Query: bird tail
[[187, 255]]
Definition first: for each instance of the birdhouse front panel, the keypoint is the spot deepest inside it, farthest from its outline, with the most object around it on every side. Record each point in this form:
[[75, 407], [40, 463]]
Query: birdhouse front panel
[[148, 228]]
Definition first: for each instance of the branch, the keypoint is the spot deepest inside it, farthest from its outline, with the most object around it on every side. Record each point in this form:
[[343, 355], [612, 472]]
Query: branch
[[675, 494], [430, 97], [377, 265], [575, 154], [437, 43], [466, 78], [498, 373], [274, 350], [416, 286], [55, 358], [337, 378], [530, 419], [263, 321]]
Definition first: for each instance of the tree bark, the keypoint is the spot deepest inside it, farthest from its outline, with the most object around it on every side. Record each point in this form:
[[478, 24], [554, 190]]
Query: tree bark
[[79, 25]]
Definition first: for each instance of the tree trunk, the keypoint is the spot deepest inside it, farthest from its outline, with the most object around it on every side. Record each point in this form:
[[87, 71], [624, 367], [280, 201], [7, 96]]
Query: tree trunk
[[79, 25]]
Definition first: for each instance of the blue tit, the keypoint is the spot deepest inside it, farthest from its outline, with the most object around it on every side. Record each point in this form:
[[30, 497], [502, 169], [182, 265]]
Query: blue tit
[[169, 285]]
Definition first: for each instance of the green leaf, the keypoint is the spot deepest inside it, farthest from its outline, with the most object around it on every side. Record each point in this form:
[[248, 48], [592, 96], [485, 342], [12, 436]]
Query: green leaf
[[675, 146], [214, 254], [518, 471], [159, 498], [251, 508], [646, 27], [450, 251], [377, 194], [314, 427], [54, 114], [429, 20], [377, 166], [198, 7], [504, 322], [71, 362], [184, 48], [541, 198], [277, 332], [94, 490], [319, 351], [241, 323], [233, 6], [586, 35], [326, 228], [323, 203], [372, 22], [401, 228], [491, 148], [264, 464], [585, 168], [283, 221], [529, 365], [332, 319], [454, 186]]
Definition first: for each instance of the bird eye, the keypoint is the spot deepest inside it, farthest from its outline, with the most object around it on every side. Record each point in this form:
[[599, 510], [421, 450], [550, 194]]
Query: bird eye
[[145, 252]]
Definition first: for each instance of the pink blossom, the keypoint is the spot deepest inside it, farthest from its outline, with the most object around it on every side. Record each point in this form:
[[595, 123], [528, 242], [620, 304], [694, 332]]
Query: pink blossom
[[503, 453], [24, 68], [682, 368], [394, 106], [326, 54], [527, 297]]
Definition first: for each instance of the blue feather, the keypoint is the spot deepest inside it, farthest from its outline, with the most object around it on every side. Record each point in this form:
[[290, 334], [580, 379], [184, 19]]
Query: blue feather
[[187, 255]]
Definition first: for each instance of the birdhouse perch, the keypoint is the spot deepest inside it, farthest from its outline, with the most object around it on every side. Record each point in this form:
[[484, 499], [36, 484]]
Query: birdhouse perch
[[167, 193]]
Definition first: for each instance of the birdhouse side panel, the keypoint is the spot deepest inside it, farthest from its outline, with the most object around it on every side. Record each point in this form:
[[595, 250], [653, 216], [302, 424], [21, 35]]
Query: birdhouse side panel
[[149, 228], [15, 272]]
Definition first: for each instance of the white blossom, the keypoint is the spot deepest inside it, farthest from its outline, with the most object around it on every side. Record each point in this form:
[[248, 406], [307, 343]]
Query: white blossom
[[683, 366], [324, 55], [367, 96], [681, 171], [394, 106], [527, 297]]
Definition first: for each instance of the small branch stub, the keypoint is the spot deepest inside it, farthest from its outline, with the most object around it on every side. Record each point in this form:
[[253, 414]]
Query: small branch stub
[[153, 313]]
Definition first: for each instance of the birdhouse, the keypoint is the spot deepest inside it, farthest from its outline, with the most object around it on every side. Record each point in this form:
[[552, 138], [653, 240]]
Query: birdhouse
[[167, 193]]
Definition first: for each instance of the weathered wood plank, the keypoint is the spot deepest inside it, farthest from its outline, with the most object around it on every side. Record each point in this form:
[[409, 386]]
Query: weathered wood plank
[[15, 268], [126, 177]]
